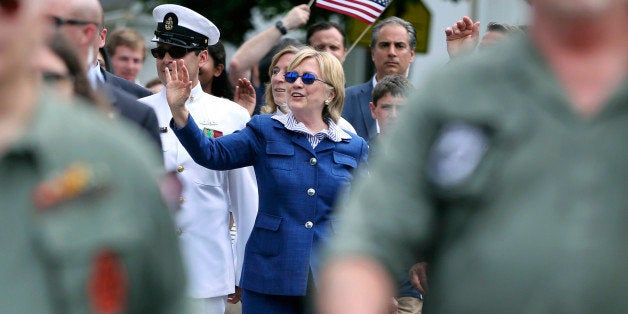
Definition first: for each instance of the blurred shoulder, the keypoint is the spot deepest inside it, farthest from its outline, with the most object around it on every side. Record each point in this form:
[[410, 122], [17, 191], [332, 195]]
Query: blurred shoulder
[[78, 130]]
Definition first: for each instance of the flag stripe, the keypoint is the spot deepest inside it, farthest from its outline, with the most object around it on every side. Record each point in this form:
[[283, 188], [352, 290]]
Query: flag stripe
[[366, 7], [365, 10], [364, 4], [366, 18], [375, 11]]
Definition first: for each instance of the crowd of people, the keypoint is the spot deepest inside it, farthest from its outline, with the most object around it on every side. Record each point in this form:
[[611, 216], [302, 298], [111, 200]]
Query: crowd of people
[[267, 182]]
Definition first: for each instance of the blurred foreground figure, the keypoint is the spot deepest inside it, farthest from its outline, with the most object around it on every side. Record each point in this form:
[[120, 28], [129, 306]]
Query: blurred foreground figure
[[508, 174], [83, 225]]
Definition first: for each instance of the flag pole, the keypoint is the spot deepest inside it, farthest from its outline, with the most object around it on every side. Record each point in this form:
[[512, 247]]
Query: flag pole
[[359, 38], [364, 33], [310, 4]]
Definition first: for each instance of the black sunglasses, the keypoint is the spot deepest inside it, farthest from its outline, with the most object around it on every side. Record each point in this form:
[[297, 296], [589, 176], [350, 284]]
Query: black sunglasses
[[61, 21], [175, 52], [307, 78]]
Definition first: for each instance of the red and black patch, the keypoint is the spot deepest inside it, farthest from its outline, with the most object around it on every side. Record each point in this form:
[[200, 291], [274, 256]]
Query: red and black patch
[[108, 284]]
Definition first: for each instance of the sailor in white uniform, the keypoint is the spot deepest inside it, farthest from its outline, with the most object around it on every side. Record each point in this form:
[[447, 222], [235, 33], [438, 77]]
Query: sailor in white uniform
[[208, 196]]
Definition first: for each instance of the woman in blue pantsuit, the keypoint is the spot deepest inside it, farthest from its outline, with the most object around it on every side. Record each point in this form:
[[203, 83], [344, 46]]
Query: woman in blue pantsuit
[[302, 160]]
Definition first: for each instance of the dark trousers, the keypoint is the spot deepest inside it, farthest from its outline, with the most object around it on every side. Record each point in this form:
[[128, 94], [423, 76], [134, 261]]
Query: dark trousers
[[255, 303]]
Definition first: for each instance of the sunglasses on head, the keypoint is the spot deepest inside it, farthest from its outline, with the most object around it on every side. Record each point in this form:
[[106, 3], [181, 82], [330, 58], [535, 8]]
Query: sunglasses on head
[[175, 52], [307, 78]]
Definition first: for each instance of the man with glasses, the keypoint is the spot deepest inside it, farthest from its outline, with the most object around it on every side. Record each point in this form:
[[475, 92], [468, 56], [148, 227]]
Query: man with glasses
[[83, 227], [82, 23], [208, 196]]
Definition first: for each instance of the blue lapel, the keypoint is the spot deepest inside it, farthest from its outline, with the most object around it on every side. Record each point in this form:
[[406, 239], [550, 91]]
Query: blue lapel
[[301, 140]]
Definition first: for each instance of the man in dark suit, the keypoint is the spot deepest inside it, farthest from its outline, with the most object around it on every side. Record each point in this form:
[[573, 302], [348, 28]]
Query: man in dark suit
[[81, 22], [392, 50], [129, 107], [136, 90]]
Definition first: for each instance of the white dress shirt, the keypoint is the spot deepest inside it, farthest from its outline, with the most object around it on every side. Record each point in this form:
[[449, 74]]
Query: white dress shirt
[[208, 196]]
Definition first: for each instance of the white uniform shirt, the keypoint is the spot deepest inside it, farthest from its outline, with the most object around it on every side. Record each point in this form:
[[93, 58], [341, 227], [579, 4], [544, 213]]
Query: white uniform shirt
[[208, 196]]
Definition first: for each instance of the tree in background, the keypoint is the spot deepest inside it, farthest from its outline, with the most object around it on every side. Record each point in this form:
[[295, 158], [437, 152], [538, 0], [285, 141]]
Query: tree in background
[[233, 17]]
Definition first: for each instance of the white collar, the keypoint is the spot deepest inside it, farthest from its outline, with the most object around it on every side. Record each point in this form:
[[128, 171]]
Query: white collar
[[196, 93], [95, 75]]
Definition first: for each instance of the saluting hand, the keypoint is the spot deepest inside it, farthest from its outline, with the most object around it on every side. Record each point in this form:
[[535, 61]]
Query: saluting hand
[[178, 89], [462, 37], [245, 95]]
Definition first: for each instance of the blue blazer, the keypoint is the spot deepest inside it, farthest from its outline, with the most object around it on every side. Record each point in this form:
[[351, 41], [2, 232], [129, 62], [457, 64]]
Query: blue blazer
[[298, 186], [356, 109]]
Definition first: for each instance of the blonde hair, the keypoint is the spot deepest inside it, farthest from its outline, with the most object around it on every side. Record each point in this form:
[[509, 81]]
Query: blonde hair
[[332, 73], [270, 106]]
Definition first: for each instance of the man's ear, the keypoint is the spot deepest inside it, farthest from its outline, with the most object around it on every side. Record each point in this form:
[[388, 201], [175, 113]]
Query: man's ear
[[203, 57], [218, 69], [89, 35], [372, 54], [373, 107], [103, 37]]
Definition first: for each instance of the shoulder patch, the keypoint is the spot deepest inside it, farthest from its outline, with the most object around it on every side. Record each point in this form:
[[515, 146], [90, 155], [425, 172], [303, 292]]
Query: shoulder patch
[[456, 153]]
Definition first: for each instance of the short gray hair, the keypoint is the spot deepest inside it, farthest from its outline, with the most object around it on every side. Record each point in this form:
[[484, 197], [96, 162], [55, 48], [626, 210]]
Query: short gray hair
[[395, 20]]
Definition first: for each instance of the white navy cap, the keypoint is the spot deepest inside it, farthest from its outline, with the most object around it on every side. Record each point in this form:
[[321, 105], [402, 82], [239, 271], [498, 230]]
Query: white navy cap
[[180, 26]]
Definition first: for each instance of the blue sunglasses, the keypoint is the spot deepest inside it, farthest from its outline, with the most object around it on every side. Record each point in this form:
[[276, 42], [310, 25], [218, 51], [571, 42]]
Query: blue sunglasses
[[307, 78]]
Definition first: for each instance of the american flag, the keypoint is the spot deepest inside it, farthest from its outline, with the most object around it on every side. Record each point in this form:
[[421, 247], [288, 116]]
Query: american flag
[[365, 10]]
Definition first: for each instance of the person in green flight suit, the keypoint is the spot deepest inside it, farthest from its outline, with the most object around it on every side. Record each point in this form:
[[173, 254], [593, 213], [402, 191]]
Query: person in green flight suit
[[83, 226], [508, 175]]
